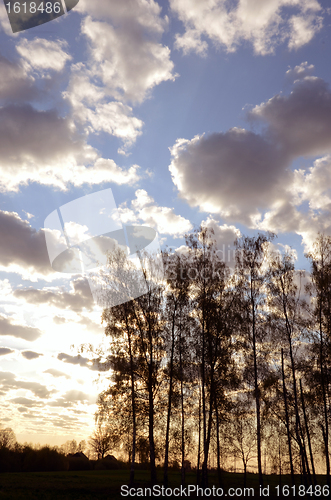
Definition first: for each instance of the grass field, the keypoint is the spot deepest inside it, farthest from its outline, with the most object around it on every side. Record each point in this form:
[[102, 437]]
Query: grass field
[[106, 485]]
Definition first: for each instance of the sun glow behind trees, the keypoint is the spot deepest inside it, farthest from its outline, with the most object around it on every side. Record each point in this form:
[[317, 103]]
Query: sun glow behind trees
[[211, 357]]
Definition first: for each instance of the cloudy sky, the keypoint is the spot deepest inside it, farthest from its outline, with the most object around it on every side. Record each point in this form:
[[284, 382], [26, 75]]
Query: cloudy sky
[[191, 111]]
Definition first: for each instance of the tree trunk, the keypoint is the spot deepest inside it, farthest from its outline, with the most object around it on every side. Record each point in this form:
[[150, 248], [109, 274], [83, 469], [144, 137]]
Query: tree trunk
[[166, 455], [257, 395], [287, 422], [199, 441], [151, 430], [182, 411], [219, 472], [308, 433], [134, 424]]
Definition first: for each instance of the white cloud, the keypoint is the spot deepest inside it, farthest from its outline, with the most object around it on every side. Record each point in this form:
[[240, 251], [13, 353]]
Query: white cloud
[[264, 23], [127, 60], [303, 30], [191, 42], [300, 71], [49, 151], [42, 54], [163, 219]]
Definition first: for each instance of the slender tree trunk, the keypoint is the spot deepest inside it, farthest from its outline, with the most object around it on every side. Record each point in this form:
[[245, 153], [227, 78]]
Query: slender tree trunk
[[219, 472], [199, 441], [298, 430], [210, 420], [151, 429], [287, 421], [182, 408], [204, 420], [134, 424], [308, 433], [166, 456], [257, 394], [207, 445], [326, 420]]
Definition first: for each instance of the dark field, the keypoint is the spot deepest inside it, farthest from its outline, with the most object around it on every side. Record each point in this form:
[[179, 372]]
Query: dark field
[[90, 485]]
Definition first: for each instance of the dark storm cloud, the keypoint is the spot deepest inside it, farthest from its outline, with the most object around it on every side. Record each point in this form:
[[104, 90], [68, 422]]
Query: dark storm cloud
[[78, 301], [30, 355], [7, 327]]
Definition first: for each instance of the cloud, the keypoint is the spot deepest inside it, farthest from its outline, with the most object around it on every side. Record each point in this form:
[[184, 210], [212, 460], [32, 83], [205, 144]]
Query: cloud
[[5, 350], [126, 61], [91, 364], [300, 71], [31, 355], [129, 63], [248, 177], [70, 398], [8, 382], [57, 373], [16, 84], [42, 54], [224, 235], [49, 151], [22, 249], [301, 121], [91, 109], [9, 328], [26, 402], [78, 300], [265, 24], [233, 173], [162, 218]]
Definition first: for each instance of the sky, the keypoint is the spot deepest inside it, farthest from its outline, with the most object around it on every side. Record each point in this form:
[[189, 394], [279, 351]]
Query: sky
[[192, 112]]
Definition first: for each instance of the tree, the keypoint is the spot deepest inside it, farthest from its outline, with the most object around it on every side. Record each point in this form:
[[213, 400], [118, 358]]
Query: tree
[[251, 278], [101, 441], [176, 329], [7, 438], [320, 290], [286, 305], [135, 326]]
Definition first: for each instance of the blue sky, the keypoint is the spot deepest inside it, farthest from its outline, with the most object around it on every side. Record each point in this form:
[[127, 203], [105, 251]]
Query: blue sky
[[190, 111]]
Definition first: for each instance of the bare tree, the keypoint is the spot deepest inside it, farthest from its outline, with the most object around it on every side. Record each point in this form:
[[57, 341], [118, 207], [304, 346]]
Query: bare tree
[[7, 438], [101, 441]]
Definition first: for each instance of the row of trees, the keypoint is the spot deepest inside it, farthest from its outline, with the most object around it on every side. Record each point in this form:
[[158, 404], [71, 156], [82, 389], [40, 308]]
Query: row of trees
[[220, 364], [16, 457]]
